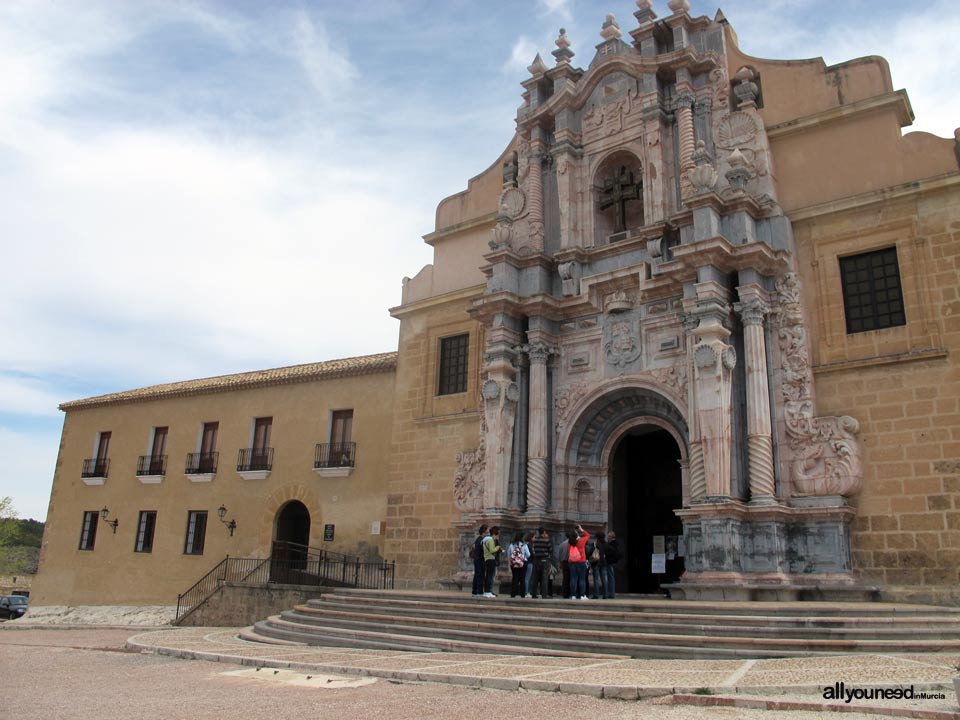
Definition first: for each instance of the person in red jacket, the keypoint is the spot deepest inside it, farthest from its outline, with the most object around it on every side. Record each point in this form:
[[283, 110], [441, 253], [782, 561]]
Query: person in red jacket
[[577, 560]]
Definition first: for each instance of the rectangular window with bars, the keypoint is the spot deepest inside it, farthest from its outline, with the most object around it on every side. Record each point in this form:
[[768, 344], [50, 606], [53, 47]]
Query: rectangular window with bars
[[88, 532], [453, 365], [145, 528], [872, 295], [196, 532]]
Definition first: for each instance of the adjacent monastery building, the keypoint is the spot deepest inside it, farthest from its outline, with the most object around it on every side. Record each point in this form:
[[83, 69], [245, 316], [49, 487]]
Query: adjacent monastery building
[[708, 301]]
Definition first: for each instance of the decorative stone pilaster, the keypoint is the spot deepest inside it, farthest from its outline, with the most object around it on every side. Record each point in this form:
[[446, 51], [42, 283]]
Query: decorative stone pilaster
[[685, 103], [538, 427], [713, 362], [698, 478], [535, 194], [500, 410], [759, 440]]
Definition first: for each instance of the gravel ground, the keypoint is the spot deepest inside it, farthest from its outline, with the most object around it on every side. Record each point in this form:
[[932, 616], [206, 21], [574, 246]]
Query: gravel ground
[[84, 674]]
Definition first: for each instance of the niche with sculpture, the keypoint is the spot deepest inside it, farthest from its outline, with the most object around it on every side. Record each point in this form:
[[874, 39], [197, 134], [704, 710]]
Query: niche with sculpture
[[617, 198]]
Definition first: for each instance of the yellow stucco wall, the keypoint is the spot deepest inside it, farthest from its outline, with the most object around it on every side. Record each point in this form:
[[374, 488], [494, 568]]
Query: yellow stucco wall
[[112, 572]]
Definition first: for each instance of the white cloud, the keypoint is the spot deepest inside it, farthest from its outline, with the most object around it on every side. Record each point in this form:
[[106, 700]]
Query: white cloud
[[560, 8], [521, 55], [329, 70], [27, 396], [27, 473]]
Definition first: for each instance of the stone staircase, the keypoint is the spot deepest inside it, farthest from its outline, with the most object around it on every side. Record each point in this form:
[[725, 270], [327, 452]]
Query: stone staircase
[[626, 627]]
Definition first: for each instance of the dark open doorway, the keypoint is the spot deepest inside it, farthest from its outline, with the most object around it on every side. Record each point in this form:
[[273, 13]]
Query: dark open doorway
[[289, 557], [645, 489]]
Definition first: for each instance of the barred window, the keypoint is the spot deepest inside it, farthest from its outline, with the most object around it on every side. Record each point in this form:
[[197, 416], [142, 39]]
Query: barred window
[[88, 532], [453, 365], [145, 527], [872, 295], [196, 532]]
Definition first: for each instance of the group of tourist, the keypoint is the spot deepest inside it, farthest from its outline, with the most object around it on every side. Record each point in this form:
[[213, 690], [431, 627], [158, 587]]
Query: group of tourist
[[534, 563]]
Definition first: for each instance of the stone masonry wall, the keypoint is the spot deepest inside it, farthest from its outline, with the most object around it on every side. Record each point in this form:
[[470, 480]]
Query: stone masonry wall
[[903, 385]]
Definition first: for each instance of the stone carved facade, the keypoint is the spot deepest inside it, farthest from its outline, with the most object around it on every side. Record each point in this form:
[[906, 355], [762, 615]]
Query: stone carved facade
[[649, 246], [826, 452]]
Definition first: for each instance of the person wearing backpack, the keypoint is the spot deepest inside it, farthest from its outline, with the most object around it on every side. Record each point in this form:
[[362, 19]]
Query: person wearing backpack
[[577, 561], [517, 556], [598, 565], [477, 554]]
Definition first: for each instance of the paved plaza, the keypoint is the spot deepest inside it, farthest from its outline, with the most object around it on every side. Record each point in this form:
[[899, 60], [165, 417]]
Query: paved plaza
[[209, 672]]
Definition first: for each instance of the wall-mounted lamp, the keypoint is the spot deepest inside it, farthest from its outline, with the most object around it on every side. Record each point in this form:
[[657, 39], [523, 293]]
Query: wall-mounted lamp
[[112, 523], [231, 524]]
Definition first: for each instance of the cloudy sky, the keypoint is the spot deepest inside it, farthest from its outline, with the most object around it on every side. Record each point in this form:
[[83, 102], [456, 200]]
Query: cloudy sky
[[196, 188]]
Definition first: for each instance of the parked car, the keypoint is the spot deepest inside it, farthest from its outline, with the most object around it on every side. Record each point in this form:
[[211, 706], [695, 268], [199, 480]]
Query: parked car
[[12, 606]]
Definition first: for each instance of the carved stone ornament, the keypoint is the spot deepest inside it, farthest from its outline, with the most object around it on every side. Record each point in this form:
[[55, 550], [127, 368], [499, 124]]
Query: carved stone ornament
[[674, 377], [468, 477], [618, 302], [623, 347], [704, 176], [502, 234], [736, 130], [729, 357], [511, 202], [721, 92], [490, 390], [704, 356], [512, 392], [826, 452], [567, 396]]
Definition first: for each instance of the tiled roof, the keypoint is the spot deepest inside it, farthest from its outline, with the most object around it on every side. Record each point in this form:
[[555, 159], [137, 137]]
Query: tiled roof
[[346, 367]]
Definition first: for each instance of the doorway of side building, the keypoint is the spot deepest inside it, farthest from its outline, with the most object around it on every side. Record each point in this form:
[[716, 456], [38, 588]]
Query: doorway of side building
[[290, 541], [645, 489]]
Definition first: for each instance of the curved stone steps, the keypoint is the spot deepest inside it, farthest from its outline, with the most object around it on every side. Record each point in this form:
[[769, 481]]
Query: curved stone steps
[[603, 620], [322, 614], [610, 628]]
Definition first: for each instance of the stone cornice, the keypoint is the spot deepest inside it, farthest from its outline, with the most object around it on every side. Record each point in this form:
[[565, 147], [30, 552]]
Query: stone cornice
[[949, 181], [435, 300], [432, 238], [897, 100]]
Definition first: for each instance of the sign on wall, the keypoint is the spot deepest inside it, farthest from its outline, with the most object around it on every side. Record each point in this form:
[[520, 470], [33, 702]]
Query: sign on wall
[[327, 533]]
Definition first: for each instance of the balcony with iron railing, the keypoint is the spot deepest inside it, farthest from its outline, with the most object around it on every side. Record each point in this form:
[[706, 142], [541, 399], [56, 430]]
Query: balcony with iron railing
[[94, 470], [255, 463], [201, 467], [151, 469], [335, 459]]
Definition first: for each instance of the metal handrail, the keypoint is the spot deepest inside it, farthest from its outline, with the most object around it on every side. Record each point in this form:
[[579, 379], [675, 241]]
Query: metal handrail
[[335, 455], [202, 463], [255, 459], [292, 564], [152, 465], [95, 468]]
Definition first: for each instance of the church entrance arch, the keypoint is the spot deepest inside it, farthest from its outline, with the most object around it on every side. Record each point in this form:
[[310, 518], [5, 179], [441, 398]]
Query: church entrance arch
[[628, 444], [646, 486], [291, 536]]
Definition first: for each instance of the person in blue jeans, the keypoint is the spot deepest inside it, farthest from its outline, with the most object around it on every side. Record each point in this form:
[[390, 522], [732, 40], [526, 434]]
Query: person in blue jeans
[[491, 551], [577, 561], [613, 557], [598, 567], [478, 566]]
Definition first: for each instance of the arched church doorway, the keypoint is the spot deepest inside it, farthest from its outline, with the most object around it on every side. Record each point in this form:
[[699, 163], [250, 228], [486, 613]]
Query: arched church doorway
[[645, 489], [290, 540]]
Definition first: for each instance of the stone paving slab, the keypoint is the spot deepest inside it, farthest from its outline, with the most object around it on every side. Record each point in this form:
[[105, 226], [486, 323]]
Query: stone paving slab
[[781, 684]]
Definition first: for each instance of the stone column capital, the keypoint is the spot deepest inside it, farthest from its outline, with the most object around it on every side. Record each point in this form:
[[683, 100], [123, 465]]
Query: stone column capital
[[539, 352], [752, 311], [685, 100]]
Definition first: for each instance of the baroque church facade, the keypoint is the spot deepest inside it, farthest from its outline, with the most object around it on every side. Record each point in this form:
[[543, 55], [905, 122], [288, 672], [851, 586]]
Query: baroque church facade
[[706, 300]]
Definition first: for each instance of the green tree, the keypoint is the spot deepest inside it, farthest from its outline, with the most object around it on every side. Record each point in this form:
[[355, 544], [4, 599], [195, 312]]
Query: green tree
[[8, 521]]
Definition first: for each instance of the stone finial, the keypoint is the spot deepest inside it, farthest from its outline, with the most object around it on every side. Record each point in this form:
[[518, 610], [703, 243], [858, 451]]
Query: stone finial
[[704, 176], [679, 6], [739, 173], [645, 12], [610, 29], [563, 53], [538, 66], [746, 89]]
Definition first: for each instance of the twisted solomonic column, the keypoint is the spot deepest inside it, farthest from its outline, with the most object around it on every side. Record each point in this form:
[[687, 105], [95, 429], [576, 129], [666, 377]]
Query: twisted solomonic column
[[538, 428], [759, 440], [535, 195], [698, 474]]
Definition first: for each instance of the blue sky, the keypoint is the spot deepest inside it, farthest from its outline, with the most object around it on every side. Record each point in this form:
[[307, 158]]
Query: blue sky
[[196, 188]]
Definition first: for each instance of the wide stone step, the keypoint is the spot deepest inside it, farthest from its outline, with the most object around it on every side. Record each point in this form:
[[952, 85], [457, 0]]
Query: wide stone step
[[619, 640], [611, 628], [606, 617], [508, 618]]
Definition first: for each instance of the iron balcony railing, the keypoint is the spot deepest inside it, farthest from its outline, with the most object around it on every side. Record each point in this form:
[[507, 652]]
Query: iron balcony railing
[[152, 465], [255, 459], [335, 455], [202, 463], [95, 468], [293, 564]]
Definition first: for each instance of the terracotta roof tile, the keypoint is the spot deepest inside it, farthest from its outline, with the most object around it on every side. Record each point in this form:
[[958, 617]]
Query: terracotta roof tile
[[345, 367]]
